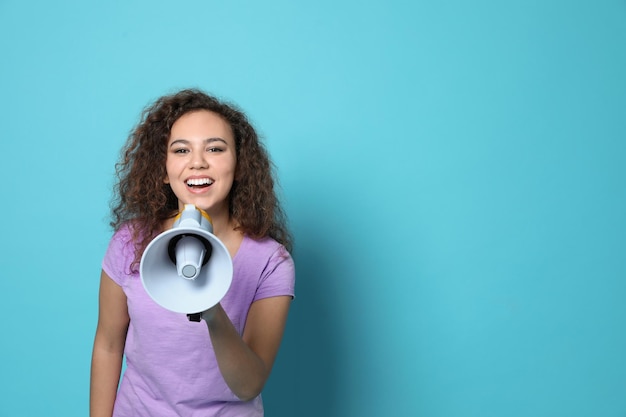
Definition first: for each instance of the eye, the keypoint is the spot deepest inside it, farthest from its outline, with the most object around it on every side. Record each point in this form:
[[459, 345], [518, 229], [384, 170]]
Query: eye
[[214, 149], [180, 150]]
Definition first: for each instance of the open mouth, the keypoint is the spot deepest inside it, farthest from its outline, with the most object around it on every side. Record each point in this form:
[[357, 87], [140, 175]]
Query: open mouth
[[199, 182]]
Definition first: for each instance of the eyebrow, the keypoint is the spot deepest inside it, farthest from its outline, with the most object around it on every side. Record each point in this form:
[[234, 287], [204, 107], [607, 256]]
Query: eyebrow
[[206, 141]]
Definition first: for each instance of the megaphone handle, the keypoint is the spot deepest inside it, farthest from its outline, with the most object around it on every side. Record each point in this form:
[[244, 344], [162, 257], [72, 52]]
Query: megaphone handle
[[194, 316]]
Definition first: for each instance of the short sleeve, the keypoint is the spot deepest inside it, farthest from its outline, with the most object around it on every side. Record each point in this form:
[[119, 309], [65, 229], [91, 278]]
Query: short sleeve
[[278, 277], [119, 256]]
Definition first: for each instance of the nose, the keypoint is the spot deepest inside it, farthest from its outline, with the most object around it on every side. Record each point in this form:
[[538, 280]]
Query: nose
[[198, 161]]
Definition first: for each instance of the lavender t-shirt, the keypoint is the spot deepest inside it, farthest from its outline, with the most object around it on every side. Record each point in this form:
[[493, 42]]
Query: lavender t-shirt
[[171, 368]]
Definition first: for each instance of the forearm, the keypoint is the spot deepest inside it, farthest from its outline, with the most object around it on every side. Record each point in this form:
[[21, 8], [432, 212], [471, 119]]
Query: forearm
[[243, 370], [106, 368]]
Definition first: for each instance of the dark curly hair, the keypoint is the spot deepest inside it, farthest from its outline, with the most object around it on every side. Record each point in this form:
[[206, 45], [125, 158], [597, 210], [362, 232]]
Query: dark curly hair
[[143, 200]]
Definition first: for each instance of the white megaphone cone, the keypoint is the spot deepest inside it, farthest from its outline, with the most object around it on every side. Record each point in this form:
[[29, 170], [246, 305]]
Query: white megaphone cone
[[187, 269]]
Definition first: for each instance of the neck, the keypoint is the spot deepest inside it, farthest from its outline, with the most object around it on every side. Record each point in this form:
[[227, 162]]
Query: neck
[[224, 230], [222, 225]]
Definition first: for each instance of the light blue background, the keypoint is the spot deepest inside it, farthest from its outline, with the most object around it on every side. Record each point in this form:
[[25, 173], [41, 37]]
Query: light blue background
[[454, 174]]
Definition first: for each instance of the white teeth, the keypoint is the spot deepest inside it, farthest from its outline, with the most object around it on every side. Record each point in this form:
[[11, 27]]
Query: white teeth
[[199, 181]]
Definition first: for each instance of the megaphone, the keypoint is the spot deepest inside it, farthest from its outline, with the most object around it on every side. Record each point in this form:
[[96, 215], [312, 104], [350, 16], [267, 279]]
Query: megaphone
[[187, 269]]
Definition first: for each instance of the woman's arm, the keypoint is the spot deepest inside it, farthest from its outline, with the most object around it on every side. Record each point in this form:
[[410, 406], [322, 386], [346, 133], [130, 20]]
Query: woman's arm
[[246, 362], [108, 347]]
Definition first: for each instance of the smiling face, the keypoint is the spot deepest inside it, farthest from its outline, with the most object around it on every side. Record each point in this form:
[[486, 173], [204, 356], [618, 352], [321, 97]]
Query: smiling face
[[201, 161]]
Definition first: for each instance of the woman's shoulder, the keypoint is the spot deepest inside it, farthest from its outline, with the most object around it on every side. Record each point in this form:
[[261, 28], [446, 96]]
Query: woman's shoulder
[[125, 236], [265, 247], [265, 252], [123, 233], [270, 263], [119, 254]]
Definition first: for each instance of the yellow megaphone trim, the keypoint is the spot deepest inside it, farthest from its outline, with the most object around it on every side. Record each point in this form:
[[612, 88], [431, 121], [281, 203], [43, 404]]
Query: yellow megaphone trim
[[204, 214]]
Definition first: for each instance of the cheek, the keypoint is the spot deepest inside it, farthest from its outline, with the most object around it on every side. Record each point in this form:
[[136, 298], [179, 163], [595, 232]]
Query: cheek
[[166, 175], [170, 168]]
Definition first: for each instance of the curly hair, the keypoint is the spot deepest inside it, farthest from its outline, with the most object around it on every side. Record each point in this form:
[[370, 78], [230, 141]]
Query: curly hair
[[143, 200]]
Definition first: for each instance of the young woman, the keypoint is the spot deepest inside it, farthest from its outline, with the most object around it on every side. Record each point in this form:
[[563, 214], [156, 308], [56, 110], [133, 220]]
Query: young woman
[[190, 148]]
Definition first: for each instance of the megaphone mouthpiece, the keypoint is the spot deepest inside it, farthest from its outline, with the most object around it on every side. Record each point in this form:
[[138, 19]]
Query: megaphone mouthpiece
[[190, 254], [175, 242]]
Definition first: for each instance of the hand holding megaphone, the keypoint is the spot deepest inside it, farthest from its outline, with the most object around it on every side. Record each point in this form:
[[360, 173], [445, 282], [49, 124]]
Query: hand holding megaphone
[[187, 269]]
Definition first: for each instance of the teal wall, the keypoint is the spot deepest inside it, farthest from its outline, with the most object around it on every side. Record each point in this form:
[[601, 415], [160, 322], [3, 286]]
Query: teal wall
[[454, 174]]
